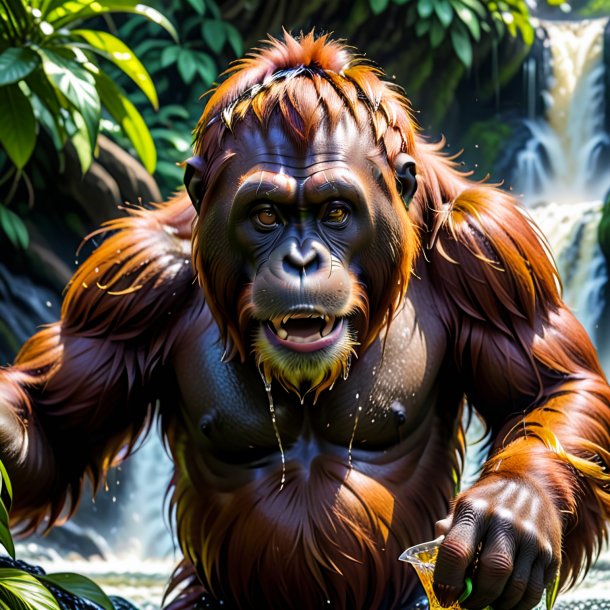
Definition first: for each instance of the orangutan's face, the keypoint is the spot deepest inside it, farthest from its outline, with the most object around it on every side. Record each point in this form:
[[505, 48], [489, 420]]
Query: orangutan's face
[[303, 218]]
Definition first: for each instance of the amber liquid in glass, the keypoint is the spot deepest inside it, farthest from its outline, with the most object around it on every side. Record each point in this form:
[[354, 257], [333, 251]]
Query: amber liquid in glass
[[423, 558]]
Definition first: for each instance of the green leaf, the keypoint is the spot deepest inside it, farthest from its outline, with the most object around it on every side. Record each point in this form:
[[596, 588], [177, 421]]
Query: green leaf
[[170, 55], [17, 233], [462, 46], [474, 5], [16, 64], [80, 140], [20, 238], [187, 65], [422, 27], [123, 57], [198, 5], [80, 586], [378, 6], [425, 8], [25, 589], [234, 38], [206, 67], [6, 483], [213, 8], [214, 34], [77, 86], [437, 34], [551, 593], [444, 12], [130, 120], [17, 126], [72, 11], [47, 108], [468, 17]]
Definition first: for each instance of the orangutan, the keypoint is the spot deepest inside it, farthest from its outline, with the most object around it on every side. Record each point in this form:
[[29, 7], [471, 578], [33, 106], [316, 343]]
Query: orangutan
[[346, 295]]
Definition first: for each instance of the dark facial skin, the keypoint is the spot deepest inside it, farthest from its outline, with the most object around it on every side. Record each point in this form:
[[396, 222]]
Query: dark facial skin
[[300, 220]]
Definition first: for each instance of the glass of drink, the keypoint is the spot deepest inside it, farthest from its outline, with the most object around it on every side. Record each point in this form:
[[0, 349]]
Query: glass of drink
[[423, 558]]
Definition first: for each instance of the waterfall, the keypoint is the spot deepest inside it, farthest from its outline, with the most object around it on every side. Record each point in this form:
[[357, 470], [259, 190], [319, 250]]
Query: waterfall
[[562, 161], [560, 170]]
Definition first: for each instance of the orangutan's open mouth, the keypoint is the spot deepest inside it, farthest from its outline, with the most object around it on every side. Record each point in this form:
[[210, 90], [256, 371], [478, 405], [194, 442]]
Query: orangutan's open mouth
[[304, 332]]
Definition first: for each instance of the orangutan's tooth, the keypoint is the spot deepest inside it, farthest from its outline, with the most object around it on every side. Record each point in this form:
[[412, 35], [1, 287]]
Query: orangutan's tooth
[[330, 323], [282, 334], [286, 318]]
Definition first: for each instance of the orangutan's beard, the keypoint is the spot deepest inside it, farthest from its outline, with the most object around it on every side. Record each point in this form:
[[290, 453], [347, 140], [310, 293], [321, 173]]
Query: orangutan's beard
[[304, 372]]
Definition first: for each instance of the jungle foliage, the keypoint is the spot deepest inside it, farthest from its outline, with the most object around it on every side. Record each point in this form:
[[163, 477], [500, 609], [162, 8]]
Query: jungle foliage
[[52, 79], [22, 590]]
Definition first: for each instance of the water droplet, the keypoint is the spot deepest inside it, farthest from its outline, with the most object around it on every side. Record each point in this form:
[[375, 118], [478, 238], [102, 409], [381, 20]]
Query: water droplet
[[275, 428]]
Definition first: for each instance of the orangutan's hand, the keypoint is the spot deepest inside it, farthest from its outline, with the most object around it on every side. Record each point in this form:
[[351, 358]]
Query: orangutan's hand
[[505, 535]]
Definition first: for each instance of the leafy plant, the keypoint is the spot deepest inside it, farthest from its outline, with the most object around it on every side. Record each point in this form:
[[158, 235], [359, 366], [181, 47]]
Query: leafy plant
[[463, 22], [22, 590], [182, 72], [51, 80]]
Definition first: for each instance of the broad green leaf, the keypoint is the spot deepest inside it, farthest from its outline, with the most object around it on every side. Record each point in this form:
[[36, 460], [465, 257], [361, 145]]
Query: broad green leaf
[[462, 46], [16, 64], [378, 6], [437, 34], [444, 12], [214, 34], [80, 586], [425, 8], [122, 56], [470, 20], [73, 11], [130, 120], [77, 86], [25, 588], [187, 65], [47, 108], [234, 38], [17, 126]]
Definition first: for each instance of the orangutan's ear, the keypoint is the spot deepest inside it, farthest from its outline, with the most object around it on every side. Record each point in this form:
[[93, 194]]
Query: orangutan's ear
[[193, 180], [406, 176]]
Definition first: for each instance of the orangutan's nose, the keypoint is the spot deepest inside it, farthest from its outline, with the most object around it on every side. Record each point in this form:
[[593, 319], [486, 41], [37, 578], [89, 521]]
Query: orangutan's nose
[[302, 259]]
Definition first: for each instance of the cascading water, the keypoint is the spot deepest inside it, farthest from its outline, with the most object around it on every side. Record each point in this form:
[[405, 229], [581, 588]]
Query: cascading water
[[560, 170]]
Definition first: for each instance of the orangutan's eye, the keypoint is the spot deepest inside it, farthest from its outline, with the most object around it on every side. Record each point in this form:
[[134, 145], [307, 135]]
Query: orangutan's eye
[[336, 214], [265, 217]]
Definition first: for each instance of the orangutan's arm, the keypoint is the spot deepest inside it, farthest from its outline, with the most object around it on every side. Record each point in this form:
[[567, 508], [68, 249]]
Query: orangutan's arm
[[530, 370], [82, 390]]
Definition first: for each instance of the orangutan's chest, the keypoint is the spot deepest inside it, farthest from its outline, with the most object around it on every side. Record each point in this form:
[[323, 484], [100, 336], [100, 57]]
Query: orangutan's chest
[[387, 393]]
